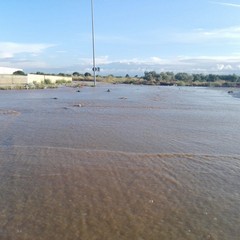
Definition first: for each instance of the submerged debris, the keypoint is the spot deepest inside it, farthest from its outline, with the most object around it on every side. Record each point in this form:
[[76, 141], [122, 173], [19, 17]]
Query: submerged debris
[[8, 112], [78, 105]]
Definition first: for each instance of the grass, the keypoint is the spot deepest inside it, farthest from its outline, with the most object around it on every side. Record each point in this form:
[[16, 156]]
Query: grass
[[81, 81]]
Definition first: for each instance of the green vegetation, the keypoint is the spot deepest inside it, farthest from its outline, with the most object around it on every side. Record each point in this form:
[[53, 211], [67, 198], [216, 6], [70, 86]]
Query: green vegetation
[[53, 74], [15, 87], [149, 78], [76, 74], [163, 78], [62, 82], [19, 73], [186, 79], [47, 81], [166, 79], [87, 74], [43, 85]]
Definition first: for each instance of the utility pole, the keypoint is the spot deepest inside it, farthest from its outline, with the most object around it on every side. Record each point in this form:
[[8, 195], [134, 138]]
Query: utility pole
[[93, 44]]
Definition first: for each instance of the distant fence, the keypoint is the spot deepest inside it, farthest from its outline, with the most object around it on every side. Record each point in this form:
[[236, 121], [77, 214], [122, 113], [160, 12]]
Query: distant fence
[[9, 79]]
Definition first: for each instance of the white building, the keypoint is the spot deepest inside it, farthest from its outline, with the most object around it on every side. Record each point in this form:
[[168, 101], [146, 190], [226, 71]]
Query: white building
[[6, 70]]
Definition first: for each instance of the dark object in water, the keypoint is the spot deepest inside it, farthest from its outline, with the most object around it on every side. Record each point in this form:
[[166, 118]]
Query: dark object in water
[[78, 91], [78, 105], [108, 90], [55, 98], [230, 92]]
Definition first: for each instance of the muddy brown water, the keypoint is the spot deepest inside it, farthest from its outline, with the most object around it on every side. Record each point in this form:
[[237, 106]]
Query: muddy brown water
[[134, 163]]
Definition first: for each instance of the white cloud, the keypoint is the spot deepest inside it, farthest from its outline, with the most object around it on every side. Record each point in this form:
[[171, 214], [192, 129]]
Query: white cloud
[[203, 35], [199, 64], [229, 33], [211, 59], [10, 49], [104, 60], [224, 67], [228, 4], [61, 51], [135, 66], [99, 60]]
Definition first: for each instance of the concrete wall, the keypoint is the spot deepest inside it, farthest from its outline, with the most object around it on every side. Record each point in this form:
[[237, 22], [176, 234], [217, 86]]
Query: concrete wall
[[40, 78], [9, 79]]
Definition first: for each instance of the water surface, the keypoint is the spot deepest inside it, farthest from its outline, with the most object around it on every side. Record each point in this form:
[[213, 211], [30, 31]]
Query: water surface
[[134, 163]]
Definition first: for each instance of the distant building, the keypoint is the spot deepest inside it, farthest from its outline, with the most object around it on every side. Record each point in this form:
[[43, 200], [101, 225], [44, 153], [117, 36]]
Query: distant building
[[6, 70]]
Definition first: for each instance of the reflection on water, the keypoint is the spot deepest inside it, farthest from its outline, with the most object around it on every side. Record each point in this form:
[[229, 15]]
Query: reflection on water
[[134, 163]]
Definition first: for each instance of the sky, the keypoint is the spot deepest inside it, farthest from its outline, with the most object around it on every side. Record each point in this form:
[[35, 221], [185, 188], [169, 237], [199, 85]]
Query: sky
[[131, 36]]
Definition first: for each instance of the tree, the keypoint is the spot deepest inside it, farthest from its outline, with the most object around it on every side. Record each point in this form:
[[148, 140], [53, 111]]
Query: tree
[[198, 77], [234, 78], [150, 76], [76, 74], [212, 78], [165, 77], [87, 74], [171, 75], [61, 74], [182, 76], [19, 73]]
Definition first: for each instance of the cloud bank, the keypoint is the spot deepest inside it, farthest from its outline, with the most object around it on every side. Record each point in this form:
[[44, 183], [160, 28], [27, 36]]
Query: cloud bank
[[136, 66]]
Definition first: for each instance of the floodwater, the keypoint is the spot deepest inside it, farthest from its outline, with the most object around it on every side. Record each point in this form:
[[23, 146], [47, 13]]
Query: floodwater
[[134, 163]]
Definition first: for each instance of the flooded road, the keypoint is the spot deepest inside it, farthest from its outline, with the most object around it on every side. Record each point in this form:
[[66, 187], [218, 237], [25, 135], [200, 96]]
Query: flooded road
[[137, 162]]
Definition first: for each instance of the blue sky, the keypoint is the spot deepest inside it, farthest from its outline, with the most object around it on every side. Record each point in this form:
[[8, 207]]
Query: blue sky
[[131, 36]]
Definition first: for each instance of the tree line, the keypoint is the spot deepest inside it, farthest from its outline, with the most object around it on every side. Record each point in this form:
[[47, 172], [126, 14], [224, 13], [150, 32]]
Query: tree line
[[183, 78], [164, 78]]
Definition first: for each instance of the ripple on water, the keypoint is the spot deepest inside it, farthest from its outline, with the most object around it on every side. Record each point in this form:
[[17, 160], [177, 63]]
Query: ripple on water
[[63, 193], [8, 112]]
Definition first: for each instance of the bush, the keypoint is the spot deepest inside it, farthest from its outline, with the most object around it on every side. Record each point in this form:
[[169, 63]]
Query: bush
[[76, 74], [47, 81], [61, 81], [19, 73], [87, 74]]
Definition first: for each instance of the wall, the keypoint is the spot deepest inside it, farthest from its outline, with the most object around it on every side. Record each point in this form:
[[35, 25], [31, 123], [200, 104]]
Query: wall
[[9, 79], [40, 78]]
